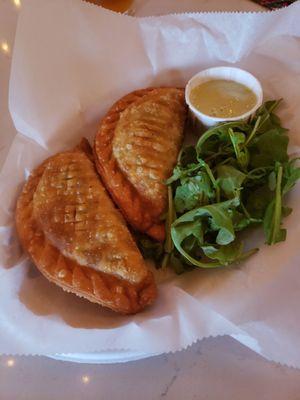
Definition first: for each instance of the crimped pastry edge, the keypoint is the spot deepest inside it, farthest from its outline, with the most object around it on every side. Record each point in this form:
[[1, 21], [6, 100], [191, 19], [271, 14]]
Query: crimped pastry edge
[[91, 284], [134, 208]]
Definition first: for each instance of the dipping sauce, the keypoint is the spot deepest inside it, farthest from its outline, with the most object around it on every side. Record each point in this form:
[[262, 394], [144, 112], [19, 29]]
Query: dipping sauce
[[222, 98]]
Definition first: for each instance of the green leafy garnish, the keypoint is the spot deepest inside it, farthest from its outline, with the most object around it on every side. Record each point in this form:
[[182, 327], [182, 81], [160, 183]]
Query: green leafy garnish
[[269, 148], [230, 180], [193, 191], [235, 177], [150, 248]]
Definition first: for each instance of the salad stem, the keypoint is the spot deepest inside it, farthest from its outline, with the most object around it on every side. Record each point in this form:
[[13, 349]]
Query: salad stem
[[247, 254], [214, 182], [272, 108], [278, 206], [254, 130], [245, 211], [169, 246]]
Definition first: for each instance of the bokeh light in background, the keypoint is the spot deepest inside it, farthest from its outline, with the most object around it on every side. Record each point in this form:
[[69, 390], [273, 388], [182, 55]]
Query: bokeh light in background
[[10, 362], [5, 48], [17, 3], [4, 45], [85, 379]]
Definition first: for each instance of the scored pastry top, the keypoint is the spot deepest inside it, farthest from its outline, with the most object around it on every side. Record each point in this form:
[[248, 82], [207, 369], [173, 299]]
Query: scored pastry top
[[147, 140], [136, 148], [78, 217], [77, 238]]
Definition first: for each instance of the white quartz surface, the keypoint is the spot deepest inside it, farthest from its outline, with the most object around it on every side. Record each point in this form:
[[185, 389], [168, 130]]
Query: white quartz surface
[[217, 368], [212, 369]]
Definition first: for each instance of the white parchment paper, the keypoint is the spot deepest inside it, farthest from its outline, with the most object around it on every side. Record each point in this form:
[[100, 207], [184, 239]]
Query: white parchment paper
[[71, 61]]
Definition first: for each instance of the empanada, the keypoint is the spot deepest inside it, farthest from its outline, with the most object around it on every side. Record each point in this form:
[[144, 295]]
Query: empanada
[[136, 149], [77, 238]]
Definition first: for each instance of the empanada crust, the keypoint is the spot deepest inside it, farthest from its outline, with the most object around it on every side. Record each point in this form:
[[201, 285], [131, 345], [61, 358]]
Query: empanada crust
[[88, 261], [136, 148]]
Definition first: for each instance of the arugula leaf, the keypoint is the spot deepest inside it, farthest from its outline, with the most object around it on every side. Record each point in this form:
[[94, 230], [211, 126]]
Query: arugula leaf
[[221, 132], [149, 248], [238, 140], [224, 254], [241, 220], [257, 199], [286, 211], [230, 180], [187, 156], [178, 264], [272, 181], [180, 172], [191, 228], [272, 218], [287, 174], [267, 119], [211, 177], [268, 148], [291, 174], [255, 178], [254, 130], [194, 192], [216, 217], [271, 224]]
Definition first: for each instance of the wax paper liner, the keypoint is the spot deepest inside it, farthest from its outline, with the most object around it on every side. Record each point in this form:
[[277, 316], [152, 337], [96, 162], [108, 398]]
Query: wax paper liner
[[71, 61]]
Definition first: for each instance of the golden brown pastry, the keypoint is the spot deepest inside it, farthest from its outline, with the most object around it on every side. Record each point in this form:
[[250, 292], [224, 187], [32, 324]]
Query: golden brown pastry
[[76, 237], [135, 151]]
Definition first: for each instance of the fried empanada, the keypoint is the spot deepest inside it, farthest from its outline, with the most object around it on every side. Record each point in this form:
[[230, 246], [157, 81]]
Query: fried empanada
[[136, 149], [78, 239]]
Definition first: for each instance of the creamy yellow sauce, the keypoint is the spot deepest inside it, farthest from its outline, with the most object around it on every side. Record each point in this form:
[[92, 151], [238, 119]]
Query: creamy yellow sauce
[[222, 98]]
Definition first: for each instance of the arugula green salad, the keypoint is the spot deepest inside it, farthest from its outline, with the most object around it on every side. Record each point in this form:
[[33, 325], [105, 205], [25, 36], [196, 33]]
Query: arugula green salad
[[234, 178]]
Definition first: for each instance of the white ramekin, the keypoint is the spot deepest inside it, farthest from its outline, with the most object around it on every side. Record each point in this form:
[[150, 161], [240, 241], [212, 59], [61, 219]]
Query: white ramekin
[[227, 73]]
